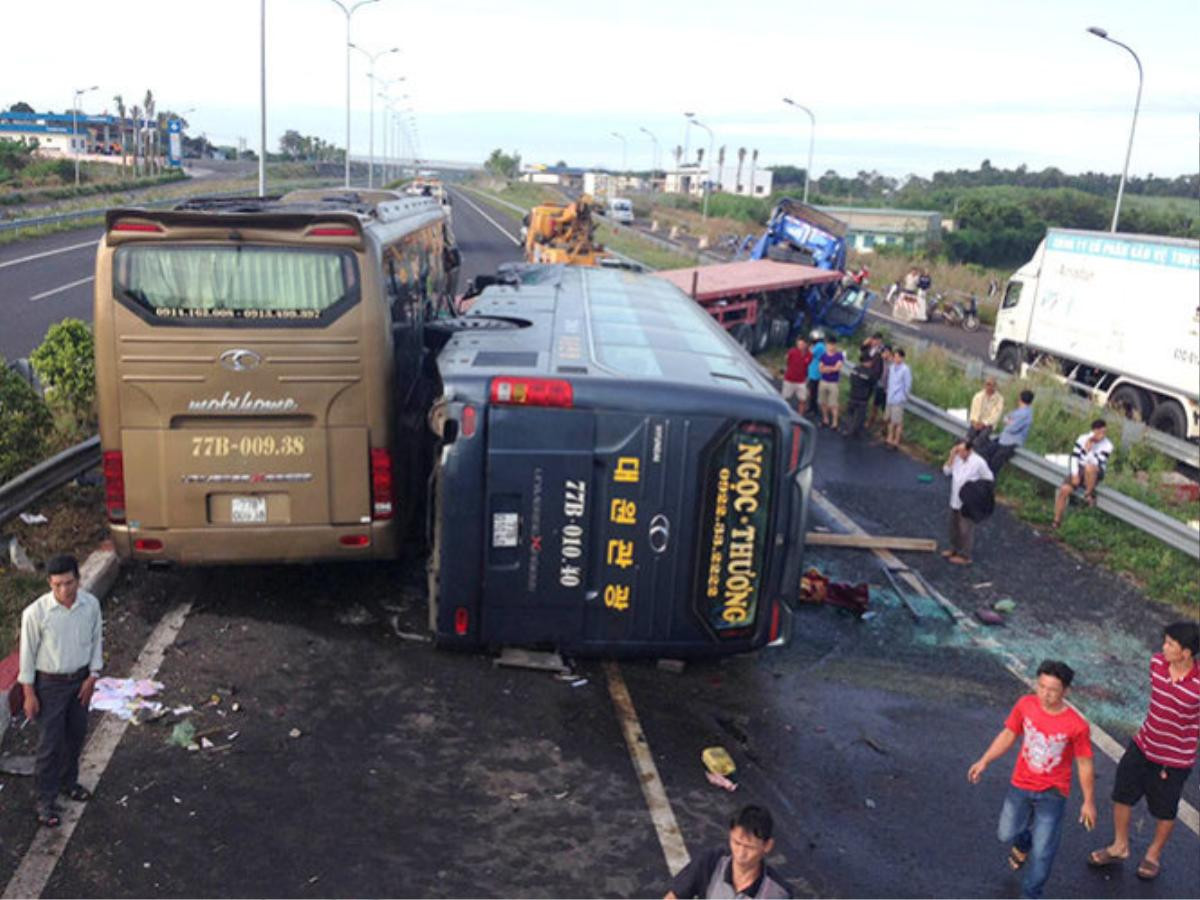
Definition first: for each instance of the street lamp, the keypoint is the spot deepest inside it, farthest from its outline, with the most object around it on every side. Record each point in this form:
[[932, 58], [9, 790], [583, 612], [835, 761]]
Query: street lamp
[[371, 57], [653, 155], [349, 11], [692, 118], [1101, 33], [812, 135], [383, 95], [624, 155], [75, 127], [262, 98]]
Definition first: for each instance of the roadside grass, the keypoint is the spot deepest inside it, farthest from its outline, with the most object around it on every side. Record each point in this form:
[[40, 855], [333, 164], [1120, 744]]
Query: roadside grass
[[642, 250], [17, 590], [521, 193], [1188, 206]]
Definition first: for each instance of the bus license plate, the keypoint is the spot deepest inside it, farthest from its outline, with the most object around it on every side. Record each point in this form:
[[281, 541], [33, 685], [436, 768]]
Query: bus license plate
[[249, 510], [504, 529]]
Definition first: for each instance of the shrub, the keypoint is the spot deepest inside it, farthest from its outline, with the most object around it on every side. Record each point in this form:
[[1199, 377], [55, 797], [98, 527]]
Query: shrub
[[66, 366], [25, 423]]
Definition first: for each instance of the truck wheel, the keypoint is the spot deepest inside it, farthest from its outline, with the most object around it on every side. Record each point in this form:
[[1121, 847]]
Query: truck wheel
[[744, 335], [1169, 418], [1131, 402], [1009, 358]]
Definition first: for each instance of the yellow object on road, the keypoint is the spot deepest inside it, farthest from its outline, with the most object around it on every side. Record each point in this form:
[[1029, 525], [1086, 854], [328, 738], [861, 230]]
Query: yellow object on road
[[718, 761]]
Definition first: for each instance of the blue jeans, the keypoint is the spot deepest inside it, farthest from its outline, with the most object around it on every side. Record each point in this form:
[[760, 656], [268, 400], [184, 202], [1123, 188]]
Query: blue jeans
[[1032, 822]]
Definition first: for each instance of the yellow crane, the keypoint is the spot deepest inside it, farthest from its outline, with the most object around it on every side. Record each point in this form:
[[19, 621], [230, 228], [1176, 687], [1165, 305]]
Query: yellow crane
[[562, 233]]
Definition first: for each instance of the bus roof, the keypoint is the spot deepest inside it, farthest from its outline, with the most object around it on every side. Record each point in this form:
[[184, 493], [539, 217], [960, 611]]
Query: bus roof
[[585, 322], [749, 277]]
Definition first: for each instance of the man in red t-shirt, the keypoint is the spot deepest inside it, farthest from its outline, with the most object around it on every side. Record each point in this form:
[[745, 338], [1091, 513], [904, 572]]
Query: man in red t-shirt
[[1053, 734], [1161, 755], [795, 376]]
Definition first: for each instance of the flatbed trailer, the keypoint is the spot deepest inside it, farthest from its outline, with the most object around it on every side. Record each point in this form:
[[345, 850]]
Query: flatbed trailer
[[759, 302]]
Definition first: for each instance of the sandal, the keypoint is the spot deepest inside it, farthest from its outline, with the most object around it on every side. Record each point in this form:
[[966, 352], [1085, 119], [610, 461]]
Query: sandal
[[78, 793], [1016, 858], [1089, 499], [1099, 858], [1147, 870], [959, 560], [49, 819]]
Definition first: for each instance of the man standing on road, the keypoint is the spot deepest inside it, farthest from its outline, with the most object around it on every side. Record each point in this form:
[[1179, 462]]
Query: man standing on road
[[963, 466], [817, 339], [879, 395], [1016, 429], [1161, 755], [61, 657], [899, 389], [831, 374], [739, 870], [1054, 734], [795, 375], [1089, 460], [986, 407]]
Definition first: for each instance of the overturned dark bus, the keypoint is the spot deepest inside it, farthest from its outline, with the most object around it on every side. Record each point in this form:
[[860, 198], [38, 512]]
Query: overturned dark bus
[[615, 475]]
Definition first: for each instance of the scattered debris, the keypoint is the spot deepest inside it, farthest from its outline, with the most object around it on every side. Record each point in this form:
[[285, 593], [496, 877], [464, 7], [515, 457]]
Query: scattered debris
[[540, 660], [870, 803], [19, 558], [518, 797], [870, 541], [233, 736], [720, 781], [982, 585], [561, 795], [126, 697], [206, 744], [295, 733], [1182, 488], [674, 666], [184, 735], [925, 479], [34, 519], [874, 745], [17, 765], [408, 635], [816, 588], [988, 617], [1005, 605], [355, 614], [235, 707], [182, 710], [718, 762]]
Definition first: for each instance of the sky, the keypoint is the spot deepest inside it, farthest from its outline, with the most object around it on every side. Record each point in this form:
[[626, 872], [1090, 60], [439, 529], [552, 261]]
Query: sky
[[894, 87]]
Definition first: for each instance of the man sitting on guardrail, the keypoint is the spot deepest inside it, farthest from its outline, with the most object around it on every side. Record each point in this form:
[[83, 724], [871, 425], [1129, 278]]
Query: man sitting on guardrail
[[986, 407], [999, 451], [1089, 460]]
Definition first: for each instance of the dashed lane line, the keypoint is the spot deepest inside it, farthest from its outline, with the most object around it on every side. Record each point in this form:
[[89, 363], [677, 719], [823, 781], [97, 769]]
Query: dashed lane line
[[44, 254], [49, 844], [1188, 814], [60, 289], [467, 200], [670, 838]]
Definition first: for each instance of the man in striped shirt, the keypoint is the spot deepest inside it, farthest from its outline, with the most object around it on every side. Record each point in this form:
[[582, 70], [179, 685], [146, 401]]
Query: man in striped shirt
[[1089, 461], [1162, 753]]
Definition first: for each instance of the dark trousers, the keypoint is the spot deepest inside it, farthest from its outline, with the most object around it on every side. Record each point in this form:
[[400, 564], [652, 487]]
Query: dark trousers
[[856, 414], [813, 408], [962, 533], [978, 438], [63, 722], [997, 455]]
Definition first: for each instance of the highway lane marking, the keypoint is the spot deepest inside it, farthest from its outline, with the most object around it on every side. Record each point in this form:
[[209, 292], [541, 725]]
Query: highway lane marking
[[670, 838], [1188, 814], [467, 200], [59, 290], [43, 255], [49, 844]]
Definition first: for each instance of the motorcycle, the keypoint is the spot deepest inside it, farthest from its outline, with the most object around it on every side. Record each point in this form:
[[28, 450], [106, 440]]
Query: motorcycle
[[955, 312]]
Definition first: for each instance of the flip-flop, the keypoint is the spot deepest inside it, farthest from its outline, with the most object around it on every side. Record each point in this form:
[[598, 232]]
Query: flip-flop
[[1147, 870], [1099, 858], [1016, 858]]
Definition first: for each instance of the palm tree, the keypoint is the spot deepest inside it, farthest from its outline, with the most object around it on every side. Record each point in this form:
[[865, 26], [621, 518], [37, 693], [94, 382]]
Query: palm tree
[[135, 113], [720, 166], [119, 101], [741, 159], [150, 150]]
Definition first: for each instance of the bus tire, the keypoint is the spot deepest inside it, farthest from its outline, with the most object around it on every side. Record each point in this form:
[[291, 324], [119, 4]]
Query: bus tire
[[1132, 402], [1009, 358], [1169, 418]]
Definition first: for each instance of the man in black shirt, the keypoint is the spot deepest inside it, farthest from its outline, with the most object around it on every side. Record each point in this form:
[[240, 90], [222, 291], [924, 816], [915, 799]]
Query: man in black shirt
[[739, 870]]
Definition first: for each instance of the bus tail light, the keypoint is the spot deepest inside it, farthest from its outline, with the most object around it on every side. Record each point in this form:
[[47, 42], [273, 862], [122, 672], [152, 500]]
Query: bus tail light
[[331, 231], [462, 620], [143, 227], [381, 484], [354, 540], [794, 458], [533, 392], [773, 635], [114, 485], [148, 545], [468, 421]]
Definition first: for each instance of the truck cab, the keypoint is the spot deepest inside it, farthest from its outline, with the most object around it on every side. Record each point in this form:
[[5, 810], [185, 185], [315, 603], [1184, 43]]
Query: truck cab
[[1015, 314]]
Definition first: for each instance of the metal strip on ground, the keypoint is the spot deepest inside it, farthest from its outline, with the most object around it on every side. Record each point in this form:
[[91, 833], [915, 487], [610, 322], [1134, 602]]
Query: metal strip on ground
[[49, 843], [1188, 814], [669, 835]]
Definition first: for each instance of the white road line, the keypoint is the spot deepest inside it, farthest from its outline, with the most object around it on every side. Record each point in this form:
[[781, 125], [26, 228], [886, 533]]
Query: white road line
[[661, 814], [59, 290], [1188, 814], [474, 206], [49, 844], [25, 259]]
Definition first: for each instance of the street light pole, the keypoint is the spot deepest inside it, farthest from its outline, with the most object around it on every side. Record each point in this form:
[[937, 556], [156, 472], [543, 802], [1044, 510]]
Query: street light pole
[[812, 135], [383, 95], [262, 98], [653, 155], [708, 165], [371, 131], [75, 127], [624, 155], [349, 11], [1101, 33]]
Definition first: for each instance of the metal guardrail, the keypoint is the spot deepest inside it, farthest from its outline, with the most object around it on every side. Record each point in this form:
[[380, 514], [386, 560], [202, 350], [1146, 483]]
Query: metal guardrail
[[1133, 512], [1179, 450], [33, 484]]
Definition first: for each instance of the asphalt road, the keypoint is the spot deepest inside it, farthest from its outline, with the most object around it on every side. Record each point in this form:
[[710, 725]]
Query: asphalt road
[[421, 773]]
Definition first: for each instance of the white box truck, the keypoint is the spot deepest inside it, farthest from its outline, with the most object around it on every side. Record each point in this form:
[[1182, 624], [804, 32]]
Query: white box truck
[[1116, 316]]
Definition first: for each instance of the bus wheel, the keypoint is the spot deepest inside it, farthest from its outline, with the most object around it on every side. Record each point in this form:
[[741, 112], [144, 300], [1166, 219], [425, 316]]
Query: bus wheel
[[1009, 358], [1131, 402], [1169, 418]]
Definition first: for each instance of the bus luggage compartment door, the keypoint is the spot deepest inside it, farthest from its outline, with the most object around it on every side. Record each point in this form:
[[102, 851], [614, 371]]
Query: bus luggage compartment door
[[539, 474]]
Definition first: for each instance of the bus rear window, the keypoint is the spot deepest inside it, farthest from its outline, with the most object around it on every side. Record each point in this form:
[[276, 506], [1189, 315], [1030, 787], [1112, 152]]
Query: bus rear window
[[234, 281]]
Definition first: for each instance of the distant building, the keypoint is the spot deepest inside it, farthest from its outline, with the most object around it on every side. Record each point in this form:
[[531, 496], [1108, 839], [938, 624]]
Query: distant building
[[561, 176], [753, 182], [871, 228], [62, 134]]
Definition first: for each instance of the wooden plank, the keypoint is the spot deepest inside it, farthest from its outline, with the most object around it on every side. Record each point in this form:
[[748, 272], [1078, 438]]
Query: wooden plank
[[869, 541]]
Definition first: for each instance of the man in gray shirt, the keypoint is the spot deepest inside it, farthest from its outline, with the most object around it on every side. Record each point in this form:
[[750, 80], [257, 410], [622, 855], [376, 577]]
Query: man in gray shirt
[[61, 657]]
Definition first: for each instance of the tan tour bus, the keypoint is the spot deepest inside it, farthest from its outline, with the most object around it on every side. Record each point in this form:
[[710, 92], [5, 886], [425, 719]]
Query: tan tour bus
[[255, 360]]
